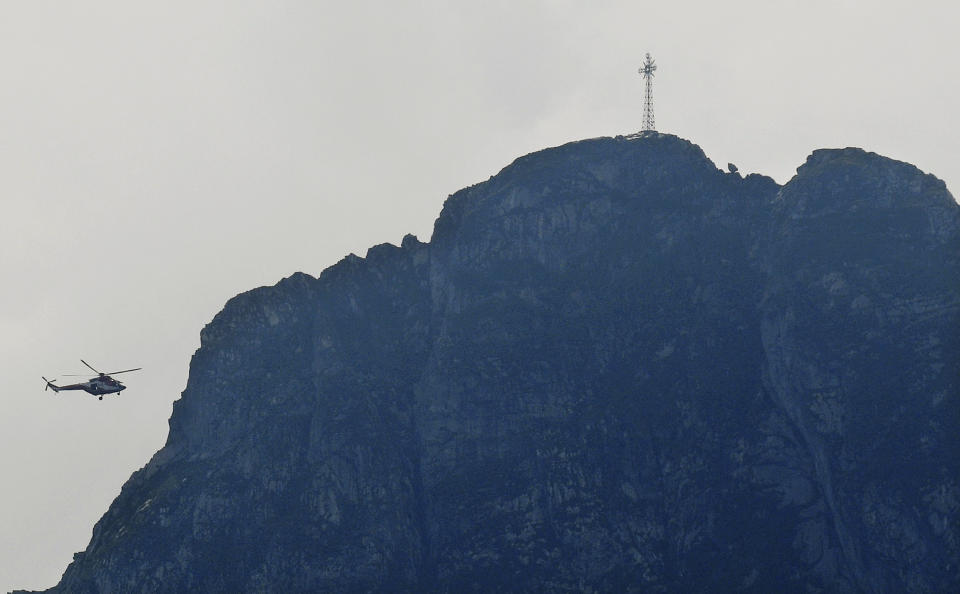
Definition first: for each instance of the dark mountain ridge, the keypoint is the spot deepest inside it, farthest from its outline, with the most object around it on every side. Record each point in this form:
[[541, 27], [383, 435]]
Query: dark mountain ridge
[[614, 367]]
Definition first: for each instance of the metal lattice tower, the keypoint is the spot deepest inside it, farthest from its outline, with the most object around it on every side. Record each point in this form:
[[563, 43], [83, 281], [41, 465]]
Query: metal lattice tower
[[649, 67]]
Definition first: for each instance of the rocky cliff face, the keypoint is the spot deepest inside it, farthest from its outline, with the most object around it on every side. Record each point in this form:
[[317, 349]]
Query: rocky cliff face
[[613, 368]]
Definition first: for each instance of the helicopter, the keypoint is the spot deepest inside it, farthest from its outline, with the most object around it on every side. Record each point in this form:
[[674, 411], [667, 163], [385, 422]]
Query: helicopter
[[98, 386]]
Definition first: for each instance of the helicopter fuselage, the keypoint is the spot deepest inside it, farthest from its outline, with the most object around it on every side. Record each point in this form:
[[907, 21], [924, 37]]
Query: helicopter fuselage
[[97, 386]]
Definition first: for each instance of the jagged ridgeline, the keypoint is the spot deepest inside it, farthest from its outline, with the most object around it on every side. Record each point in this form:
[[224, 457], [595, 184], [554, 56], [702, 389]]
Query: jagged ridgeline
[[613, 368]]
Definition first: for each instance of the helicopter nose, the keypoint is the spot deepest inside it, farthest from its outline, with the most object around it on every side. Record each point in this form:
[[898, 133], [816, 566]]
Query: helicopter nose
[[122, 388]]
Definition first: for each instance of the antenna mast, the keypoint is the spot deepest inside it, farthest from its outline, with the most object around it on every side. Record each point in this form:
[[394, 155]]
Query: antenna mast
[[649, 67]]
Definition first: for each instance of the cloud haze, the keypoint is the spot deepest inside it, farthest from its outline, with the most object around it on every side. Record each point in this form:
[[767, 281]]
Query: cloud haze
[[158, 158]]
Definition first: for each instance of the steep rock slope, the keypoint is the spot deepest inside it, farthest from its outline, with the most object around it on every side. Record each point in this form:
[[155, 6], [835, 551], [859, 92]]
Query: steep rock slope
[[614, 367]]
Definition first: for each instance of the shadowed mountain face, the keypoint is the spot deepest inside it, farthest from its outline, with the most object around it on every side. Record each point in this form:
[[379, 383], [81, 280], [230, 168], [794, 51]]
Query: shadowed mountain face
[[613, 368]]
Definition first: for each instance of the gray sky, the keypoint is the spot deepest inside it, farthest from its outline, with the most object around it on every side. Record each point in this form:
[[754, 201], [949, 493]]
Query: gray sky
[[157, 158]]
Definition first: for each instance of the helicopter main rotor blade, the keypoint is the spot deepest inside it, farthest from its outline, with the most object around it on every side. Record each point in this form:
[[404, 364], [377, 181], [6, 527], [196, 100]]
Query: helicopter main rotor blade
[[125, 371], [88, 365]]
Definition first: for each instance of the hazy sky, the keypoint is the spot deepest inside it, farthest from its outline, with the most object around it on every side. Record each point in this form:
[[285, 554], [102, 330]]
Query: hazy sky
[[157, 158]]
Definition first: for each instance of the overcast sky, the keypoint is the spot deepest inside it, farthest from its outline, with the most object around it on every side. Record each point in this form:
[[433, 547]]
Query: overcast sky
[[157, 158]]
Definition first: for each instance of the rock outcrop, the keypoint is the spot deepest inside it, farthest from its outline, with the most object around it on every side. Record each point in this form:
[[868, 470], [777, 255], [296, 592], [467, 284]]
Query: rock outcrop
[[614, 367]]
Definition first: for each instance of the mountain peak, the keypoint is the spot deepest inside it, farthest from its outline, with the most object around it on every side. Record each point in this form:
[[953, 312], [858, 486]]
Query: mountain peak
[[870, 179], [651, 167], [613, 367]]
